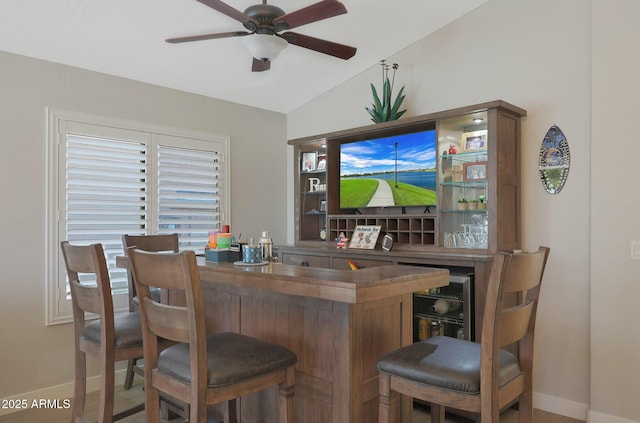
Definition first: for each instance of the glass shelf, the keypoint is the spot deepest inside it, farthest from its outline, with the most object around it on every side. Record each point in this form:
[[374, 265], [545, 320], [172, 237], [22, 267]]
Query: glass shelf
[[466, 184], [474, 211], [465, 156]]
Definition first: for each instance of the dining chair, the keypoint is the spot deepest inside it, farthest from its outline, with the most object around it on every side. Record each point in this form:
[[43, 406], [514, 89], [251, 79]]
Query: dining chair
[[202, 369], [162, 242], [481, 378], [112, 338]]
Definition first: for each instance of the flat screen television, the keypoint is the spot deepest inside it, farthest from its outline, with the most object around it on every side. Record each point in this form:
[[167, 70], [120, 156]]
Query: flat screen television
[[393, 171]]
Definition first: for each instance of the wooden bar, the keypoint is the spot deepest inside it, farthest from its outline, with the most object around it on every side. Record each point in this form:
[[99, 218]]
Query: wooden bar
[[339, 323]]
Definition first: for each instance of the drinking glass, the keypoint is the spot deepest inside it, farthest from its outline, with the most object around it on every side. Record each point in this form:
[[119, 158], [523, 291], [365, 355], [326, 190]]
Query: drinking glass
[[450, 240]]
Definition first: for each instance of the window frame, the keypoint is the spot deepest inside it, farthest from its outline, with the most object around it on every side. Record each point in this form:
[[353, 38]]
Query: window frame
[[58, 308]]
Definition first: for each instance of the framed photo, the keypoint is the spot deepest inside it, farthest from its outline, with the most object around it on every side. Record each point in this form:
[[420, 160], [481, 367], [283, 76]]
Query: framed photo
[[322, 162], [474, 141], [365, 237], [309, 161], [474, 171]]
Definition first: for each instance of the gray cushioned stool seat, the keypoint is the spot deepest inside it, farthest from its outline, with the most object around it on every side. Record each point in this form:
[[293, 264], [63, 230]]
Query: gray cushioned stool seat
[[231, 358], [446, 362], [127, 327]]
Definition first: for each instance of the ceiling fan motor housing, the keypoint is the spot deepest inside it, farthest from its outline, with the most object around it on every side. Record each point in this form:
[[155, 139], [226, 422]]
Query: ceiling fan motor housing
[[264, 14]]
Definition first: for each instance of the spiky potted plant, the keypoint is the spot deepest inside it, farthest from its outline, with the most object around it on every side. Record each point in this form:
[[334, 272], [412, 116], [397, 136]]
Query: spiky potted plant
[[383, 108]]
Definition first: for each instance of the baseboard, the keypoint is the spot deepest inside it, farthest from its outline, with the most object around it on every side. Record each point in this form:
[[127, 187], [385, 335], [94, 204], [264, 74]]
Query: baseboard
[[561, 406], [595, 417], [52, 396]]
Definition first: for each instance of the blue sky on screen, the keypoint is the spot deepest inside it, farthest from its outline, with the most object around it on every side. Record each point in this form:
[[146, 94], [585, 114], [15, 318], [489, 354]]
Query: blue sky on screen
[[415, 151]]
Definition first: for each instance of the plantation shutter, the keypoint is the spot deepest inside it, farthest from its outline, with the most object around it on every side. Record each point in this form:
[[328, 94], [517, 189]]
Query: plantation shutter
[[188, 194], [108, 178], [105, 196]]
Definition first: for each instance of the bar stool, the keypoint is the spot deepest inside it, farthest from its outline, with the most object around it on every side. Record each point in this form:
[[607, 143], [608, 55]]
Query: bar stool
[[163, 242], [110, 338], [201, 370], [481, 378]]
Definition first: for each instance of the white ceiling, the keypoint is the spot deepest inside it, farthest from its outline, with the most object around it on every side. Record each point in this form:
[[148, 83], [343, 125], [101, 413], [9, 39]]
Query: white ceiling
[[126, 38]]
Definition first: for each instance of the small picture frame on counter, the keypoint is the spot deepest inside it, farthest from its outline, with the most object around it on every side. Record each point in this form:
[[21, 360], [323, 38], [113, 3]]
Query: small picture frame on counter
[[365, 237]]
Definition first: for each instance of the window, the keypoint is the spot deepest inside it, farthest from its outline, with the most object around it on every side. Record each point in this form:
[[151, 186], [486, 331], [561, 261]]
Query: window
[[111, 177]]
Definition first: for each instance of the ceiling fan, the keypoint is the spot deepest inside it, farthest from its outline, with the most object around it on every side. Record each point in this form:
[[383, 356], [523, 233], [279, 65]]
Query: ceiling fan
[[264, 24]]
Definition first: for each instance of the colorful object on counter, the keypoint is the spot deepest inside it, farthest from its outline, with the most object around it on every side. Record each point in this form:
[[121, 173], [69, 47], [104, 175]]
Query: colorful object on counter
[[341, 241], [225, 229], [213, 239], [251, 254], [352, 265], [224, 240]]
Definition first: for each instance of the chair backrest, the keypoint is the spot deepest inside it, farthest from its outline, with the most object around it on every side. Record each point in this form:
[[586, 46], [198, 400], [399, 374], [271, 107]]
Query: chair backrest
[[174, 271], [89, 259], [510, 310], [163, 242]]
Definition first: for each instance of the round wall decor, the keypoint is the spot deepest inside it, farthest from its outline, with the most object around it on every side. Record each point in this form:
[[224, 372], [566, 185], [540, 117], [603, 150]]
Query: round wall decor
[[554, 160]]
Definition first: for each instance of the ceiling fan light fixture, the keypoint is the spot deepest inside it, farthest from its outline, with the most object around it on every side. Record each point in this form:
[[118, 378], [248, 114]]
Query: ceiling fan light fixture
[[264, 46]]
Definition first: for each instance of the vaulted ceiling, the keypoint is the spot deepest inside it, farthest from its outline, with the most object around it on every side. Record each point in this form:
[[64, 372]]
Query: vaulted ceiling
[[126, 38]]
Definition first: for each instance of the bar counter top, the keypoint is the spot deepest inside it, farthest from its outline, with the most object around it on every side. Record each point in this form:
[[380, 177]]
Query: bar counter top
[[347, 286]]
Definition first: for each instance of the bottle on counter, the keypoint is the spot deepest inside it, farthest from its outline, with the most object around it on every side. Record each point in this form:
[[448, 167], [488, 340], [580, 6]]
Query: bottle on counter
[[424, 328], [266, 246]]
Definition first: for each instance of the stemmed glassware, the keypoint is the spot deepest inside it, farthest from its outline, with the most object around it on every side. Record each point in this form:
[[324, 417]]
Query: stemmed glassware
[[473, 235], [478, 231]]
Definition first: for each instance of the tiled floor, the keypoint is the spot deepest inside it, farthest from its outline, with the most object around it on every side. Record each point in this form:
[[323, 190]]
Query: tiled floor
[[421, 415], [125, 399]]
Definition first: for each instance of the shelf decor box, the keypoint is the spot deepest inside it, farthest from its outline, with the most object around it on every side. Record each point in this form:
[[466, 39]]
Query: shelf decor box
[[217, 256]]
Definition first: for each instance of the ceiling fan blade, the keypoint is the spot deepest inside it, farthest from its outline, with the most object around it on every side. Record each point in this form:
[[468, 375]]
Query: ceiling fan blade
[[315, 12], [322, 46], [225, 9], [260, 65], [189, 38]]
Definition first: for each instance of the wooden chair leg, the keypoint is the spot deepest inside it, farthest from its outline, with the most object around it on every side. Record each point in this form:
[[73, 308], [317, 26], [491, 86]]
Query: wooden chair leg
[[525, 407], [197, 410], [152, 401], [490, 412], [165, 413], [286, 392], [80, 386], [107, 382], [128, 379], [437, 413], [384, 400]]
